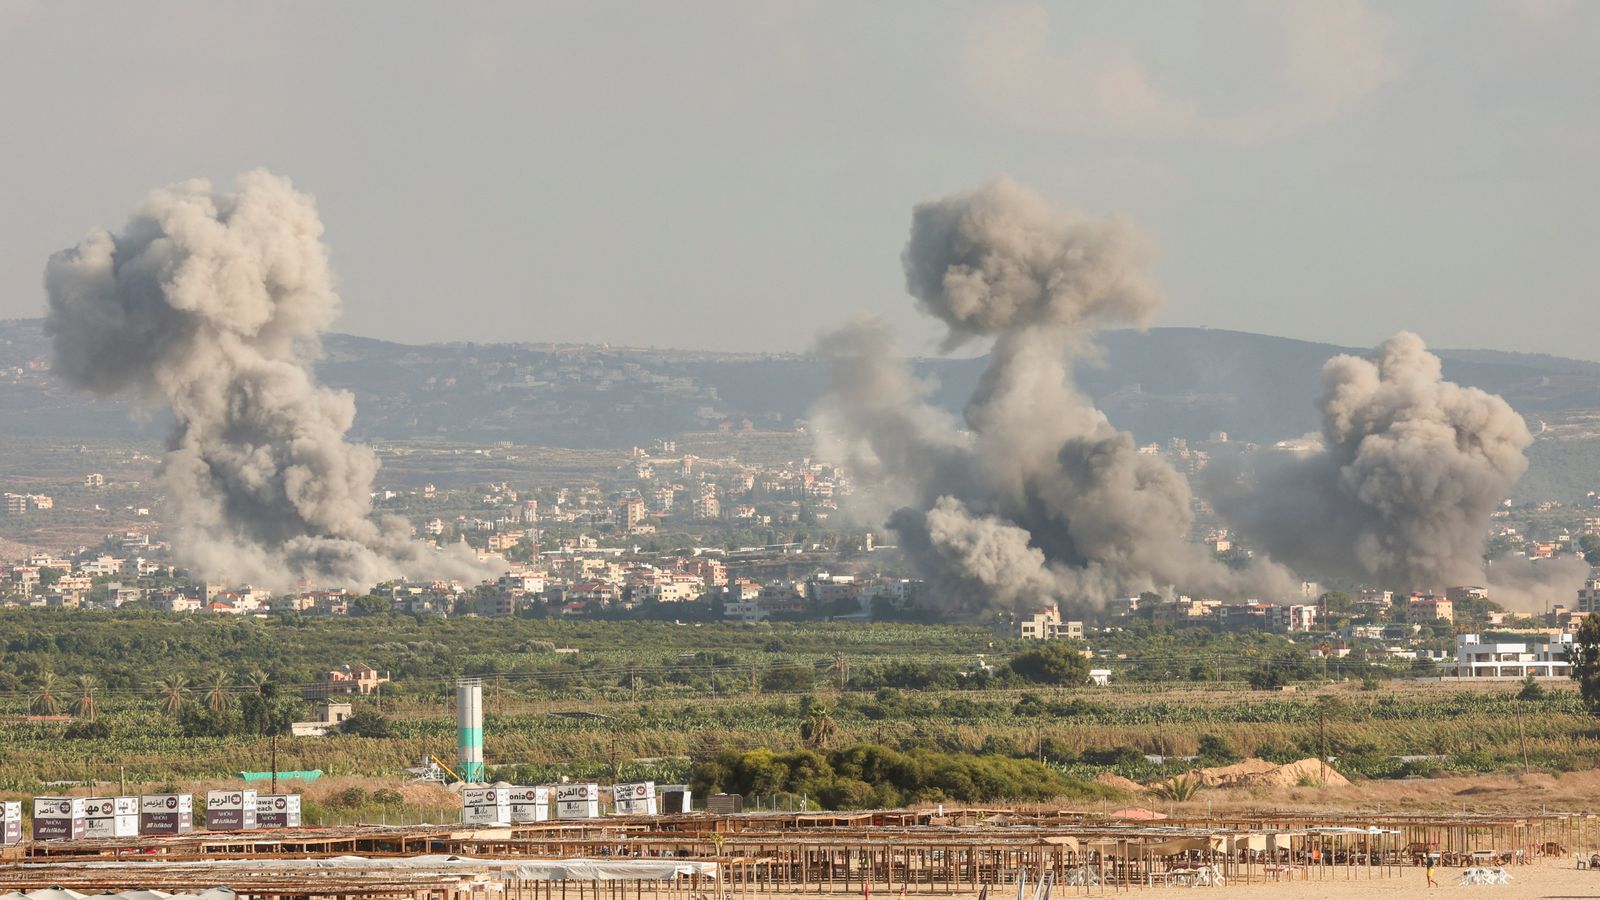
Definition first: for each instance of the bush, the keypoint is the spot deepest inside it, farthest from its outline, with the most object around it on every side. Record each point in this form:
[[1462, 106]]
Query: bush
[[349, 798], [1054, 662], [872, 775], [83, 730], [387, 797], [788, 676], [366, 723], [1217, 750]]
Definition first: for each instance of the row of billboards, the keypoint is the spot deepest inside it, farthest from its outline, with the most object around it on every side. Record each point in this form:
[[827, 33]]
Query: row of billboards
[[515, 805], [89, 818]]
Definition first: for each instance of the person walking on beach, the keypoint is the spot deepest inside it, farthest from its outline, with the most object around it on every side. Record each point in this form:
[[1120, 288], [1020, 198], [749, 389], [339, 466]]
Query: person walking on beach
[[1431, 882]]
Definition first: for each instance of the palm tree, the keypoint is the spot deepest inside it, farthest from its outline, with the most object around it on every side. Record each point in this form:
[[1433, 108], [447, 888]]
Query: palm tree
[[817, 729], [1180, 789], [173, 689], [217, 692], [84, 705], [258, 681], [44, 701]]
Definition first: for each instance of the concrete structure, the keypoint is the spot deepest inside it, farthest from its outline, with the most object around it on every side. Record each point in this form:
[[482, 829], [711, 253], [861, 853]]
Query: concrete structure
[[1044, 625], [329, 716], [1476, 658], [469, 732], [1430, 608]]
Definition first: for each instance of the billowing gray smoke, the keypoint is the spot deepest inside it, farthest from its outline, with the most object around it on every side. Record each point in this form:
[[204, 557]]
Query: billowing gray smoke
[[1040, 499], [212, 303], [1400, 492]]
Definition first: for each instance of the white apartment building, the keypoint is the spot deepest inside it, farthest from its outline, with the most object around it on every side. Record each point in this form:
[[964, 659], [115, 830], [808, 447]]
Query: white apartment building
[[1547, 658]]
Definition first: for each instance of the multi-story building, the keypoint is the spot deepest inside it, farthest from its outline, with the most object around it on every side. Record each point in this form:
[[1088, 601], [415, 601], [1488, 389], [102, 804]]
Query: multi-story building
[[345, 681], [1043, 625], [631, 512], [1589, 597], [1429, 608], [706, 506], [1294, 617], [1476, 658]]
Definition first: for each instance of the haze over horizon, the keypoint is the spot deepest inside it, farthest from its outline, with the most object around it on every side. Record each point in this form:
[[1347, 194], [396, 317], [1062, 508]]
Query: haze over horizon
[[1331, 172]]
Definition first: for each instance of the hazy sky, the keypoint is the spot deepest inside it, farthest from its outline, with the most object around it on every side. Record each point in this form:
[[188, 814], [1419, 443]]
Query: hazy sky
[[740, 175]]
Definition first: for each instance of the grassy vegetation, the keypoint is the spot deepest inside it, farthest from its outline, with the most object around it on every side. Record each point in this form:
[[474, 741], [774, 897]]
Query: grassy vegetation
[[672, 702]]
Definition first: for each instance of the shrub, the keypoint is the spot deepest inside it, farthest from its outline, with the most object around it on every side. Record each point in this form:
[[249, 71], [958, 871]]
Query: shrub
[[1216, 750], [349, 798], [86, 730]]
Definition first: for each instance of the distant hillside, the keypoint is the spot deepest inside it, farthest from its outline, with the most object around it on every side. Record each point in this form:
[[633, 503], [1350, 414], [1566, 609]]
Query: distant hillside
[[1168, 382]]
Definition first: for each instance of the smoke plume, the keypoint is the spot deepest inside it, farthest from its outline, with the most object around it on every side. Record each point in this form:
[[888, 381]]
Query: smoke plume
[[1400, 492], [1038, 498], [211, 303]]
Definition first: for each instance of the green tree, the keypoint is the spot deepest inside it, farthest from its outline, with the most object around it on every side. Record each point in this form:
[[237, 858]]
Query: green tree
[[1336, 603], [84, 705], [45, 702], [368, 723], [1590, 545], [217, 685], [1053, 662], [370, 605], [266, 711], [1531, 689], [201, 720], [1585, 658], [173, 690]]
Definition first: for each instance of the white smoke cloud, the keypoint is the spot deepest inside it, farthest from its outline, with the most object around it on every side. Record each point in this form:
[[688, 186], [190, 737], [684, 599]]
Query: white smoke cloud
[[1039, 498], [211, 303], [1400, 491]]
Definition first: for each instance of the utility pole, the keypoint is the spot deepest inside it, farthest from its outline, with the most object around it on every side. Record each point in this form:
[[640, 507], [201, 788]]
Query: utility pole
[[1322, 740], [274, 762]]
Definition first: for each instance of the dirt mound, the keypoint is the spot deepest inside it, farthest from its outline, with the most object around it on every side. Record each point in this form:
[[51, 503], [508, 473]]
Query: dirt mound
[[1112, 779], [1228, 776], [1294, 774]]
